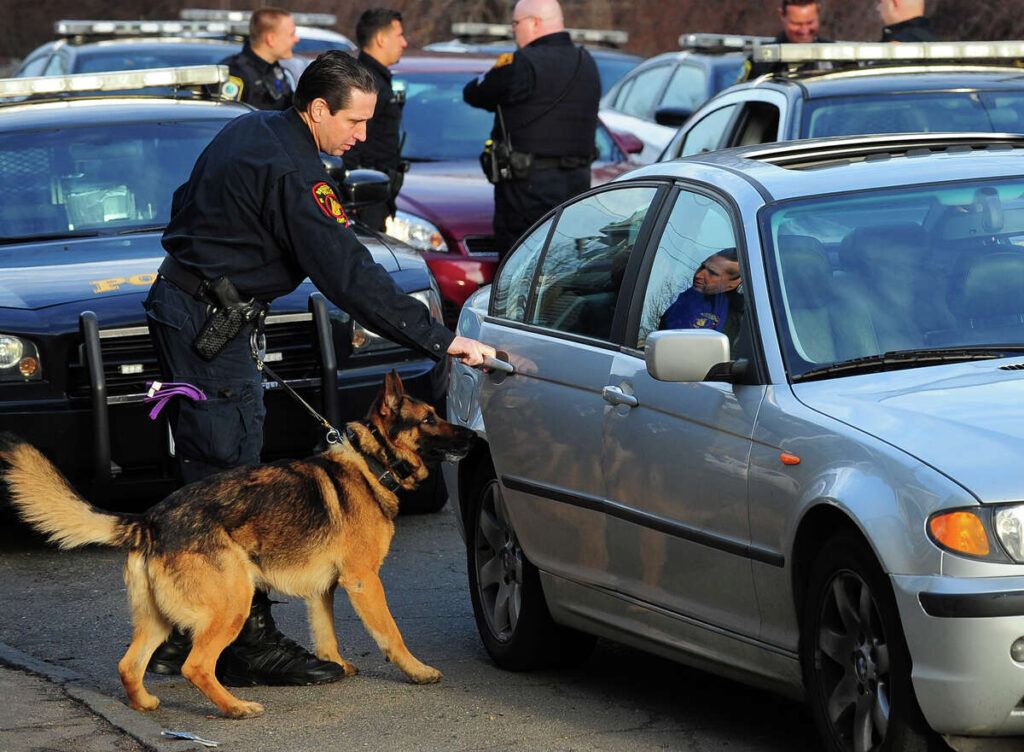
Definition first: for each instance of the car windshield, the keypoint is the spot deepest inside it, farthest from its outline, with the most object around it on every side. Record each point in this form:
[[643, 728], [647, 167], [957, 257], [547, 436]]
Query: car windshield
[[167, 56], [964, 111], [440, 126], [101, 179], [916, 270]]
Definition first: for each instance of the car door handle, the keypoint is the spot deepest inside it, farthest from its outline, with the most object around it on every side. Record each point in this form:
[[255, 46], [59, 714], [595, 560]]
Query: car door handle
[[616, 396]]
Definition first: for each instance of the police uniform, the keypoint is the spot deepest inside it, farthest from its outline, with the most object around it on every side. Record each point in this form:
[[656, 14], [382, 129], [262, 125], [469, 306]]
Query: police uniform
[[380, 150], [548, 92], [260, 209], [917, 29], [255, 81], [751, 70]]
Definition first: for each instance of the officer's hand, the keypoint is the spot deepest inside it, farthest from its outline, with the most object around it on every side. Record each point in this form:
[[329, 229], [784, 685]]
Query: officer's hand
[[469, 351]]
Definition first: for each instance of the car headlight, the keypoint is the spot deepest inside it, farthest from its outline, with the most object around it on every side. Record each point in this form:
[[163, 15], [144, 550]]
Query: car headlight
[[1009, 524], [19, 359], [364, 340], [416, 231], [974, 532]]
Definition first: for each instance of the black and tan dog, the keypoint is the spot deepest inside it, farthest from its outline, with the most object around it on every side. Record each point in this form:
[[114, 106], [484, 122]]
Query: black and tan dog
[[299, 527]]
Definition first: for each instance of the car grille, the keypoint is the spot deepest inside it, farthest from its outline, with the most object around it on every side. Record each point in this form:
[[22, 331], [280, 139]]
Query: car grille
[[479, 244], [129, 360]]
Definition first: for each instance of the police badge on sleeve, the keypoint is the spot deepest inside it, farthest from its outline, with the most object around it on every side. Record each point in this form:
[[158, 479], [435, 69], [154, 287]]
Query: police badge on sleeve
[[329, 204]]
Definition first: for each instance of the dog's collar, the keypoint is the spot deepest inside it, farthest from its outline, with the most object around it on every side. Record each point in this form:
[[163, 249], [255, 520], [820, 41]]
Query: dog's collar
[[391, 475]]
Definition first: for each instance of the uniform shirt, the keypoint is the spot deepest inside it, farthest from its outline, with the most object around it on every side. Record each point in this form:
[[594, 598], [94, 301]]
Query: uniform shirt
[[256, 82], [260, 208], [380, 149], [548, 92], [917, 29]]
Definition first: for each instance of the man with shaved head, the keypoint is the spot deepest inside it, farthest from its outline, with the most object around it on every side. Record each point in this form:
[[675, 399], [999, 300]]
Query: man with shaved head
[[905, 21], [544, 97]]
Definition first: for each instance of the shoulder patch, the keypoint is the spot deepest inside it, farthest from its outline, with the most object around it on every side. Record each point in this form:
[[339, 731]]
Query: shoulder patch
[[329, 204], [505, 59], [232, 88]]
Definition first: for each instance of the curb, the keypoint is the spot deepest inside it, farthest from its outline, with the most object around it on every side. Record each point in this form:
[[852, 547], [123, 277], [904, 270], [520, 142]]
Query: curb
[[142, 729]]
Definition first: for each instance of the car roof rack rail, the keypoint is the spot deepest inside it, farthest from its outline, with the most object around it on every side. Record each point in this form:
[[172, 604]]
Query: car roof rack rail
[[325, 20], [194, 77], [471, 30], [813, 153], [720, 43], [855, 53]]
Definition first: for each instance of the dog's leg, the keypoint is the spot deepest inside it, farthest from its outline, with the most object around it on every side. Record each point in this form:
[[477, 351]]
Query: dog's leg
[[321, 621], [367, 595], [208, 642], [151, 628]]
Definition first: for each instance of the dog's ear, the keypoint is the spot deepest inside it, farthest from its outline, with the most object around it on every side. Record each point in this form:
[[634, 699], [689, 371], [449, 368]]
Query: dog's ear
[[393, 392]]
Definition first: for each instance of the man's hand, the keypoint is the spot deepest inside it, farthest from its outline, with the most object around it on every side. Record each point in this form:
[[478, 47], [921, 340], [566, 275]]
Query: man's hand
[[469, 351]]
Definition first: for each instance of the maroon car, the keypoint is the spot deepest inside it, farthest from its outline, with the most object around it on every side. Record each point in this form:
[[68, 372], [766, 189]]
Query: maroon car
[[446, 205]]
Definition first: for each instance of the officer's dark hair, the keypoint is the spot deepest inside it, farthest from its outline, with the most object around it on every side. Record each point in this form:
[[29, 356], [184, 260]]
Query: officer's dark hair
[[729, 254], [372, 21], [786, 3], [264, 21], [332, 77]]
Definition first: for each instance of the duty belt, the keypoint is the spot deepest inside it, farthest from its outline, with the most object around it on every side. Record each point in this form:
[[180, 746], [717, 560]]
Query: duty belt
[[561, 163], [174, 271]]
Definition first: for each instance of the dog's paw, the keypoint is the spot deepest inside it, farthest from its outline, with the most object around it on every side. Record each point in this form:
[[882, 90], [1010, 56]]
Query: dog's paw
[[350, 668], [427, 675], [244, 710], [149, 702]]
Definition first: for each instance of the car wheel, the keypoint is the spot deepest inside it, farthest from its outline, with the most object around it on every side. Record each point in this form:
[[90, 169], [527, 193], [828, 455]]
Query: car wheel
[[430, 497], [508, 603], [855, 662]]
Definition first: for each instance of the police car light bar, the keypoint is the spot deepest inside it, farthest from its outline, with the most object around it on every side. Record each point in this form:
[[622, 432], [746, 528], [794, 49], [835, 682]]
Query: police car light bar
[[504, 31], [243, 16], [68, 28], [737, 42], [194, 75], [853, 52]]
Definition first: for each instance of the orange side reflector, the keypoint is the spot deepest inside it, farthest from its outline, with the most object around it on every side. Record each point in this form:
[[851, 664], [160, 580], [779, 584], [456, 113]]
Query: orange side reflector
[[789, 459], [961, 531]]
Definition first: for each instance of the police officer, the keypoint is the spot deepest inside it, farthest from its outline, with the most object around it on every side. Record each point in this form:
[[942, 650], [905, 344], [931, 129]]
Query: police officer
[[801, 20], [257, 77], [381, 40], [545, 98], [260, 210], [905, 21]]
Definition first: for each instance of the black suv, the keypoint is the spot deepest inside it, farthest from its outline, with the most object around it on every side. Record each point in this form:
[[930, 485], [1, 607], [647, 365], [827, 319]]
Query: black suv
[[85, 192]]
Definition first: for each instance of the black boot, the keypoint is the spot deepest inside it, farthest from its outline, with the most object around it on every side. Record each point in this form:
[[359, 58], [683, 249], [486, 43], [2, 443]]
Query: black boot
[[167, 658], [261, 655]]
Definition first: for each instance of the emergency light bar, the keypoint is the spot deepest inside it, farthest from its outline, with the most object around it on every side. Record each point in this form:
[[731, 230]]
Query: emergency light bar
[[194, 75], [68, 28], [721, 42], [243, 16], [853, 52], [504, 31]]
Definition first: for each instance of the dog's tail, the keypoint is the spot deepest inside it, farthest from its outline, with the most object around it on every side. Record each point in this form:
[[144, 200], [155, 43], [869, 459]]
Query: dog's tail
[[45, 500]]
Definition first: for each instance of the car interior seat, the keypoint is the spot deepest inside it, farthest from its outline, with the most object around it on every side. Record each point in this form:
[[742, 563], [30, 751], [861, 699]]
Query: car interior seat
[[992, 291]]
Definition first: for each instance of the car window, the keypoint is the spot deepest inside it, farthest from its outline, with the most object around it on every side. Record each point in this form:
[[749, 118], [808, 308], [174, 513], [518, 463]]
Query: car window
[[611, 69], [758, 124], [686, 88], [150, 57], [34, 66], [578, 285], [55, 67], [512, 286], [440, 126], [708, 133], [95, 179], [697, 228], [643, 92]]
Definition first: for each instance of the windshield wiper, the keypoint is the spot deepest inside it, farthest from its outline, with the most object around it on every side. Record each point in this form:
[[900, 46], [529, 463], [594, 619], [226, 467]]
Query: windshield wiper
[[54, 236], [139, 230], [422, 159], [899, 359]]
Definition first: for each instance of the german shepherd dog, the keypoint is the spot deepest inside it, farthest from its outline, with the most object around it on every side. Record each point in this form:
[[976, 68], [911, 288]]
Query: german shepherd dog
[[301, 527]]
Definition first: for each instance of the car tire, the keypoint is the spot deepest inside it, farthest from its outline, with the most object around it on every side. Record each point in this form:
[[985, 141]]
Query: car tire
[[508, 602], [854, 657], [430, 497]]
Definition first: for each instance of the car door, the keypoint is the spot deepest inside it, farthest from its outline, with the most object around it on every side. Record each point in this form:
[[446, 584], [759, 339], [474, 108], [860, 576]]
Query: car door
[[554, 308], [676, 454]]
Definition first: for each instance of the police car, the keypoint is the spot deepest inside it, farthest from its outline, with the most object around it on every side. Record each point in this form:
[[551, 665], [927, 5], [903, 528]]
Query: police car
[[868, 88], [86, 182]]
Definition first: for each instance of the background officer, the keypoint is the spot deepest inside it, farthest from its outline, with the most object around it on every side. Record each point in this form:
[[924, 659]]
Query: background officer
[[801, 20], [381, 40], [545, 98], [256, 76], [260, 210], [905, 21]]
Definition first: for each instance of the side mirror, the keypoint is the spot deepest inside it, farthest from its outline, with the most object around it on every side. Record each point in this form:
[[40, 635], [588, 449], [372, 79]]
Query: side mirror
[[672, 116], [365, 188], [686, 355], [629, 143]]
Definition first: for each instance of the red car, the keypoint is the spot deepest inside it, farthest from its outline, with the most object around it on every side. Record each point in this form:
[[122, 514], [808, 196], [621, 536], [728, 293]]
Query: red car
[[446, 204]]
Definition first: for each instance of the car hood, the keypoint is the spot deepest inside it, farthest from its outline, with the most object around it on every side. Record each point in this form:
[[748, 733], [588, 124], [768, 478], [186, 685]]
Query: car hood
[[455, 196], [960, 419], [36, 275]]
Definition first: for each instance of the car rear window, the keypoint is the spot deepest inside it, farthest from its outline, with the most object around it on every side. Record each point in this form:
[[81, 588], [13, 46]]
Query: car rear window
[[439, 125]]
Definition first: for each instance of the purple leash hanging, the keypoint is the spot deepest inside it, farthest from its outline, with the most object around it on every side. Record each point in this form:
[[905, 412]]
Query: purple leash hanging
[[161, 393]]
